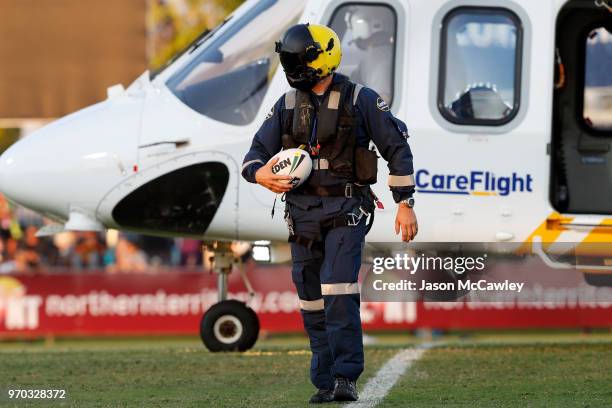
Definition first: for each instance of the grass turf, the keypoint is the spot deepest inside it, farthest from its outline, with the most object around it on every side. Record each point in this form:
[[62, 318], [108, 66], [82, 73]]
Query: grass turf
[[536, 375], [484, 370], [174, 376]]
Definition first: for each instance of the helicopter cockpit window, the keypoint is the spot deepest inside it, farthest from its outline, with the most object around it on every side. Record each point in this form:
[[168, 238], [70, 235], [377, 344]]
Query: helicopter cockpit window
[[228, 78], [597, 110], [480, 66], [368, 35]]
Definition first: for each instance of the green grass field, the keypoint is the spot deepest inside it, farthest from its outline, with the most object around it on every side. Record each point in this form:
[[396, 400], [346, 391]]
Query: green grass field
[[488, 370]]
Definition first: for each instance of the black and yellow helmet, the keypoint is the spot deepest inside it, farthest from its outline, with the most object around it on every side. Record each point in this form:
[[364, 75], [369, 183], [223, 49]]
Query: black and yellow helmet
[[309, 53]]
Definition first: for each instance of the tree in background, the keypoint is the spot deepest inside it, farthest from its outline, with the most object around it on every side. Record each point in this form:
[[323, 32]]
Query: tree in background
[[8, 137], [173, 24]]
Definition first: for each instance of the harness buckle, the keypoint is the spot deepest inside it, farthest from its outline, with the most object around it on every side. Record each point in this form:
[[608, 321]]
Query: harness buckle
[[348, 190]]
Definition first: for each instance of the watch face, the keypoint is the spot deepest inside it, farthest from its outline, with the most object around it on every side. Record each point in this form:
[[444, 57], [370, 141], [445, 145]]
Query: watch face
[[409, 202]]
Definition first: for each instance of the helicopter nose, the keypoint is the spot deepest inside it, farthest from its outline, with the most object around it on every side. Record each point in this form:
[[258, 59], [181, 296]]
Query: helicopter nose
[[14, 173], [35, 171], [70, 164]]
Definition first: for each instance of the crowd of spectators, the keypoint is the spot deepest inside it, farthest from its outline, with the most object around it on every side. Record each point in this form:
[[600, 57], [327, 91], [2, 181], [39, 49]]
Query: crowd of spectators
[[21, 251]]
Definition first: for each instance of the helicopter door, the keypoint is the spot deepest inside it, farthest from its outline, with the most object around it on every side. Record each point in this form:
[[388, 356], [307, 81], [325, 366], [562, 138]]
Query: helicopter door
[[581, 181]]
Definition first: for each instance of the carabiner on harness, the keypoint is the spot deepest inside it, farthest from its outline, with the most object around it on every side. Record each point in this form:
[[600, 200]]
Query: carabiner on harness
[[353, 219], [289, 221]]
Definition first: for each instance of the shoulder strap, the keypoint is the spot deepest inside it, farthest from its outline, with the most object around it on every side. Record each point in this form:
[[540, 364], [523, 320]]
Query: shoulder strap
[[358, 88], [290, 99], [303, 116], [329, 111]]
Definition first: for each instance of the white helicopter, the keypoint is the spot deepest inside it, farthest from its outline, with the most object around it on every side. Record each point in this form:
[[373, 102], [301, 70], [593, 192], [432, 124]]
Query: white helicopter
[[509, 106]]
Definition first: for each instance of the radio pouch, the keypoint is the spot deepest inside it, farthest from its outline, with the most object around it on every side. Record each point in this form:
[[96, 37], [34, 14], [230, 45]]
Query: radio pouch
[[366, 165]]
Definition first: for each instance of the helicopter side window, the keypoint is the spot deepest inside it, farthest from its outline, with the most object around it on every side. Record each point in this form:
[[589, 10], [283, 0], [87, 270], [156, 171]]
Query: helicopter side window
[[367, 33], [480, 70], [228, 78], [597, 107]]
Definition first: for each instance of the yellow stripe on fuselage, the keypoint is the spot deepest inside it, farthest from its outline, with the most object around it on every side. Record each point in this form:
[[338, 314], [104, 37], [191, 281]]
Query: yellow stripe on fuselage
[[555, 224], [483, 193]]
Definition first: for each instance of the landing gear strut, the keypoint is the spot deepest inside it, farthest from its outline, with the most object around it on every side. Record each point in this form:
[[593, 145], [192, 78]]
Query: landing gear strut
[[229, 325]]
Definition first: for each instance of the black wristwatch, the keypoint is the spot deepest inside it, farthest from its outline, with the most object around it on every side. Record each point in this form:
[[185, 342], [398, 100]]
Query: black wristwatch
[[408, 202]]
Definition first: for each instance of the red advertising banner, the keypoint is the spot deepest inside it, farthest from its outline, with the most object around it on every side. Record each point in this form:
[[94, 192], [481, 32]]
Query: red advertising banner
[[173, 303]]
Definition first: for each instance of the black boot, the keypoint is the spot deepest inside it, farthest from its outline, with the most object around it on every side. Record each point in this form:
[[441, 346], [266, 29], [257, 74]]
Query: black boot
[[322, 396], [345, 390]]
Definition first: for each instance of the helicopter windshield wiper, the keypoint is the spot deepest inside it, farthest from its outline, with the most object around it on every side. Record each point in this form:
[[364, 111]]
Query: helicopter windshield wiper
[[206, 35]]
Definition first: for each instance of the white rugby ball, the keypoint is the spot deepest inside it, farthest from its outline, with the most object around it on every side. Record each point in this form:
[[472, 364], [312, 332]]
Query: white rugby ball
[[293, 162]]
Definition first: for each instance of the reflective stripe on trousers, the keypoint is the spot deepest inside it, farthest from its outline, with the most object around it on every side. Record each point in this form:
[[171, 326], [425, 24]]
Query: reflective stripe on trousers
[[339, 288], [312, 305]]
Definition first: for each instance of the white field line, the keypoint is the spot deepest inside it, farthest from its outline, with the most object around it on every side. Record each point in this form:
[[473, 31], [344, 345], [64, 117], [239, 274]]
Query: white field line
[[379, 386]]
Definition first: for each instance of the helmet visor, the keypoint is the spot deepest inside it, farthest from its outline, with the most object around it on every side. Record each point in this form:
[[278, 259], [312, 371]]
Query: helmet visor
[[291, 62]]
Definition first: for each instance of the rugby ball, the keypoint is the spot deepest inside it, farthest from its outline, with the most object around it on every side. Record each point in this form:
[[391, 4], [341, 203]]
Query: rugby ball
[[293, 162]]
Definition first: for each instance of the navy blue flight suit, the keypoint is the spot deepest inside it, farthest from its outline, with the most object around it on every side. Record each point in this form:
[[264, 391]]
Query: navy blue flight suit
[[325, 275]]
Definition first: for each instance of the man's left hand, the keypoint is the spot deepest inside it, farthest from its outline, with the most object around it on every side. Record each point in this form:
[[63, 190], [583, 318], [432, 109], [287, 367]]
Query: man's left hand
[[406, 221]]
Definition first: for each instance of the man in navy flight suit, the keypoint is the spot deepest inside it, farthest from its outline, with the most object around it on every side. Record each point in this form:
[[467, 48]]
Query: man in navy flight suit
[[334, 120]]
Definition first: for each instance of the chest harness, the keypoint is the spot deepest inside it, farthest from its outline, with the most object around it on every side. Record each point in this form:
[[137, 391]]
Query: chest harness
[[328, 132]]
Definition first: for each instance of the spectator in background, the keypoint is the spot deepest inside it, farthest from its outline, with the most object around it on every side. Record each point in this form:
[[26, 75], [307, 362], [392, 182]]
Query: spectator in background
[[6, 265], [43, 247], [64, 243], [129, 257], [88, 251], [191, 252], [26, 259], [10, 233], [10, 248], [160, 250], [28, 256]]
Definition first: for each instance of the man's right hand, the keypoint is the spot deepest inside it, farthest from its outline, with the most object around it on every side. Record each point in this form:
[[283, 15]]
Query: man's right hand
[[275, 183]]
